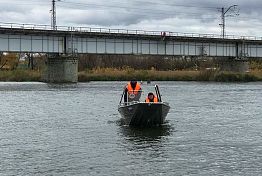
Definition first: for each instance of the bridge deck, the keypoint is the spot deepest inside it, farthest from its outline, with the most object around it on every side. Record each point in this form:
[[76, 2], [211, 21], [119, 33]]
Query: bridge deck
[[101, 41]]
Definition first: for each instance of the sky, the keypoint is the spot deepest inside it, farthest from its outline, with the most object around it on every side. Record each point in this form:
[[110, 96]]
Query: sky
[[184, 16]]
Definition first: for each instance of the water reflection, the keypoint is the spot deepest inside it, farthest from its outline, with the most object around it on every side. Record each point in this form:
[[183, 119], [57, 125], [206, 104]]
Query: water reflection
[[67, 86], [37, 86], [148, 142], [146, 134]]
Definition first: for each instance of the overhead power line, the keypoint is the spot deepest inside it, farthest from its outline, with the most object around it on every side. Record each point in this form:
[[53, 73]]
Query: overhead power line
[[158, 8], [53, 15], [224, 13], [28, 2], [149, 3], [129, 9], [136, 9], [157, 14], [115, 6]]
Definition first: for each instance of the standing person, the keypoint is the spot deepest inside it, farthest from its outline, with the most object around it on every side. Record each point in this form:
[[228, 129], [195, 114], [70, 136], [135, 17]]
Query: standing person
[[151, 98], [133, 91]]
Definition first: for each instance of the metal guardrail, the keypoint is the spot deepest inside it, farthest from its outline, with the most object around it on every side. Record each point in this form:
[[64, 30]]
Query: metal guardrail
[[122, 31]]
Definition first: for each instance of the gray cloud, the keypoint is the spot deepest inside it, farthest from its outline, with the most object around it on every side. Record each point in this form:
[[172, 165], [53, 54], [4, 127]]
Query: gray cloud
[[178, 15]]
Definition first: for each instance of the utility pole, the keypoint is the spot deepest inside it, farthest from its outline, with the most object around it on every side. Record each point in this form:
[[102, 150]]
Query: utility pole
[[223, 21], [53, 15], [223, 17]]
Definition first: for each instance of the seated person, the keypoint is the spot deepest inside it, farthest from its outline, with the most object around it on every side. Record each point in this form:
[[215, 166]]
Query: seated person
[[151, 98]]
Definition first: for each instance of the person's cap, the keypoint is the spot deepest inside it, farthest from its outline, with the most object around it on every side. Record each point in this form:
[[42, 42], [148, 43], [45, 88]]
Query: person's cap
[[150, 93], [133, 81]]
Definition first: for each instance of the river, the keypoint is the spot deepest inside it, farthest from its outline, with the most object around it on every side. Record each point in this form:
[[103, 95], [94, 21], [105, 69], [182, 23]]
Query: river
[[74, 129]]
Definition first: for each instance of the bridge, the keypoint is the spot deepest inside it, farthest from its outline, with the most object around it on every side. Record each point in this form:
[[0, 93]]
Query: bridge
[[64, 42]]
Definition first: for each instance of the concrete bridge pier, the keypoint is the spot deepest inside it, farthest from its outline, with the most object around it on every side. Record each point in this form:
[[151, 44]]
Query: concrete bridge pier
[[61, 69]]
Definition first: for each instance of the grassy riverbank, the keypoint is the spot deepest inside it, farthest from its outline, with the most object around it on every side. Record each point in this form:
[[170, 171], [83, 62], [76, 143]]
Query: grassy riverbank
[[20, 76], [111, 74]]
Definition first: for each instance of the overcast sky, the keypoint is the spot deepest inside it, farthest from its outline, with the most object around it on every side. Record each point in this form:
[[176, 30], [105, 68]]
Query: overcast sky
[[188, 16]]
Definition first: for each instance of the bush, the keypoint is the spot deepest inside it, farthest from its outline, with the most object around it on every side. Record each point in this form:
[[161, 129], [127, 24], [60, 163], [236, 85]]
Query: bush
[[20, 75], [235, 77]]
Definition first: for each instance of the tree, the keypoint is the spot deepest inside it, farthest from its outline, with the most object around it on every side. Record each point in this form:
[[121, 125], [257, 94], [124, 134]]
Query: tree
[[8, 61]]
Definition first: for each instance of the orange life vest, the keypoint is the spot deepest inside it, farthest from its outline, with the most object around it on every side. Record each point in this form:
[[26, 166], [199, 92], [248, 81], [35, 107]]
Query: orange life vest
[[131, 90], [155, 99]]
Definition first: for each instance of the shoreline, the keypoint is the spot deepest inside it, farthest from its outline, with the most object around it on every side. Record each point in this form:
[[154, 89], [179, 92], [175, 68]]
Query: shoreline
[[111, 74]]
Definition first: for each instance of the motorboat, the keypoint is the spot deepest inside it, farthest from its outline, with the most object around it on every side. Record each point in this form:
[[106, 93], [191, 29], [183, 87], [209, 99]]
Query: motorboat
[[138, 113]]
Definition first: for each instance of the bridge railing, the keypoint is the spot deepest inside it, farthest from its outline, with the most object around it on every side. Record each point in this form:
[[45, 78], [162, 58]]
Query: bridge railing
[[121, 31]]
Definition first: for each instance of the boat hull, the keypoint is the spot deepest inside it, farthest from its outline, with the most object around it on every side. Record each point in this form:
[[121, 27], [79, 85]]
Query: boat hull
[[144, 114]]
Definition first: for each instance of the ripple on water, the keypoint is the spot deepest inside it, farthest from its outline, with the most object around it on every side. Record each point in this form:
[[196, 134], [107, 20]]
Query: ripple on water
[[75, 129]]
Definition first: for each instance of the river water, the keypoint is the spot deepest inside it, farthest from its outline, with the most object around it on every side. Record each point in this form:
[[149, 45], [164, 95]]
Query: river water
[[49, 129]]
